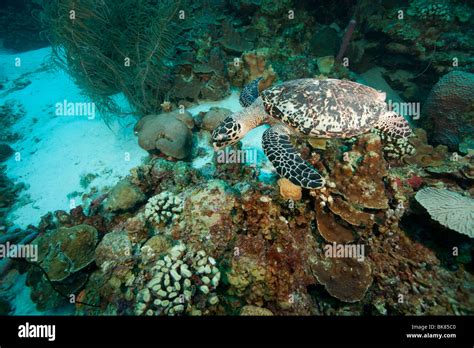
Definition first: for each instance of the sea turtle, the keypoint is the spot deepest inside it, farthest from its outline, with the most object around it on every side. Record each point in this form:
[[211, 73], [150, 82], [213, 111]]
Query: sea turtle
[[329, 108]]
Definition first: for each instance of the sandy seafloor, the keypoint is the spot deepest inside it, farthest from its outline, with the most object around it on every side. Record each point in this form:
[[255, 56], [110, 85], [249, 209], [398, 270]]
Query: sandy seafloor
[[55, 151]]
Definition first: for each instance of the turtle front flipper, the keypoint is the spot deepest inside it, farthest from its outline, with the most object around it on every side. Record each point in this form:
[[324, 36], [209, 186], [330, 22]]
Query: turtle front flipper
[[287, 161]]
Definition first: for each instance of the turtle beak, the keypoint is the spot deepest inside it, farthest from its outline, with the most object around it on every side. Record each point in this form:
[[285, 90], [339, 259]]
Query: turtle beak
[[219, 141], [218, 144]]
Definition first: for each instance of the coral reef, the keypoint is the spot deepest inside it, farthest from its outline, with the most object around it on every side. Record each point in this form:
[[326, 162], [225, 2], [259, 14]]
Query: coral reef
[[178, 238], [265, 250]]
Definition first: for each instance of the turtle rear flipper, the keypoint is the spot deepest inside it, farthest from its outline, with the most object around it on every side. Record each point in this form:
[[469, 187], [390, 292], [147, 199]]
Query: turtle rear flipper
[[394, 125], [287, 161], [395, 130]]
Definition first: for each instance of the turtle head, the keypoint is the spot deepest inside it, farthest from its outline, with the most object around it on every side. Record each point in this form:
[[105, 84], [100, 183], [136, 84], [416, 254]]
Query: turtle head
[[235, 126], [227, 133]]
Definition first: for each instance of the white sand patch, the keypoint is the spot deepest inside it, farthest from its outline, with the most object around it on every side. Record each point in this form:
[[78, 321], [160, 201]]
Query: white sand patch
[[231, 102], [56, 150]]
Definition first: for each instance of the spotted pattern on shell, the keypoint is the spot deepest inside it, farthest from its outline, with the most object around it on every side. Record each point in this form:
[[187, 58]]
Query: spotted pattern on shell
[[325, 108]]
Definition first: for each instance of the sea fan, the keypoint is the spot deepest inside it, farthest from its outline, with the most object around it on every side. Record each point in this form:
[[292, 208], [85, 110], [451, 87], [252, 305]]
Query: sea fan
[[449, 208], [112, 47]]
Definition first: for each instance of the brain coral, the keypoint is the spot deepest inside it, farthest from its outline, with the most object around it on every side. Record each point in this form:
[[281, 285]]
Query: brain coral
[[450, 109], [170, 133]]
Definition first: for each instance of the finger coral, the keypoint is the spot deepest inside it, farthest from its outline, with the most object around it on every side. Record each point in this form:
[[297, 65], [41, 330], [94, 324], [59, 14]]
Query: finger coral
[[163, 207], [182, 282]]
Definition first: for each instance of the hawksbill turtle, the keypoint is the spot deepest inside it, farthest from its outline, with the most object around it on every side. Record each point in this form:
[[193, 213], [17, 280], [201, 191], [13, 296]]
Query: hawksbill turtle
[[329, 108]]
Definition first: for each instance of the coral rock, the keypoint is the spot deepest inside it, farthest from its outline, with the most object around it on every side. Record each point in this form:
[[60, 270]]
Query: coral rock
[[360, 178], [124, 196], [114, 249], [169, 133], [255, 311], [65, 251], [206, 217], [214, 117], [346, 279], [426, 155]]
